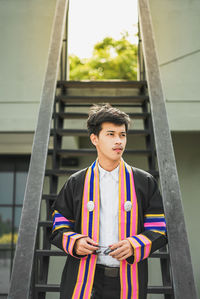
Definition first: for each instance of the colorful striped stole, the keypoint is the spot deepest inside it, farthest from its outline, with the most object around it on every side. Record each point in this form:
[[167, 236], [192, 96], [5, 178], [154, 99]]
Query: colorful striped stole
[[89, 227], [128, 223], [155, 223], [59, 221], [70, 237]]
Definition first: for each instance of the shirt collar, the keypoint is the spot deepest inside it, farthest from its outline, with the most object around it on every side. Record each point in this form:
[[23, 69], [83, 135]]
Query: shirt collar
[[114, 173]]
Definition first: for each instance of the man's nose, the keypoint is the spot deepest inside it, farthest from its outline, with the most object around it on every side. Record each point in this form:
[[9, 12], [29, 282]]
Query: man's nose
[[118, 140]]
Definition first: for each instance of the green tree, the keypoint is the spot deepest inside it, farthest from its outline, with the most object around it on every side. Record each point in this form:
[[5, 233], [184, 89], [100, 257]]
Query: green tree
[[111, 59]]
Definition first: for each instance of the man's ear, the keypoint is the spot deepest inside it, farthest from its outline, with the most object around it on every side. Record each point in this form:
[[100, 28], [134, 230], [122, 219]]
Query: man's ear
[[94, 139]]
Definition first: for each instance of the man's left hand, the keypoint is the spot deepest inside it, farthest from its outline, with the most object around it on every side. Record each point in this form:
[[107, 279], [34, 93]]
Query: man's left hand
[[122, 250]]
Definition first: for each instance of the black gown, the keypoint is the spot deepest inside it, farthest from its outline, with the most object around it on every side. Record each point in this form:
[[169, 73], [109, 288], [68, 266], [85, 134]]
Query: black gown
[[68, 207]]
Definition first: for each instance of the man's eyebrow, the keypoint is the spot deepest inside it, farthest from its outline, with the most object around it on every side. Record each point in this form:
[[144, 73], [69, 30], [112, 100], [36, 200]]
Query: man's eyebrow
[[115, 131]]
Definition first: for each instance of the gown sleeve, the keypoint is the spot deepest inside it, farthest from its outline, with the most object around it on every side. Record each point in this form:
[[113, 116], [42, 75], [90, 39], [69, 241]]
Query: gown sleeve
[[154, 234], [63, 234]]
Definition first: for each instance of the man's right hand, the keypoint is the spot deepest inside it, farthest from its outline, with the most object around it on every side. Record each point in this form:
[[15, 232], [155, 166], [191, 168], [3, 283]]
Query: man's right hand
[[85, 246]]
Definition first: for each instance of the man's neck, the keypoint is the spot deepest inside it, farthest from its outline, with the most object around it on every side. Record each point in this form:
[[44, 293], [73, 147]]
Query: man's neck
[[108, 165]]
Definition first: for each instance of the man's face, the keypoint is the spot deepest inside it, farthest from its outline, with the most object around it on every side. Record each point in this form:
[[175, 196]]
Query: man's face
[[111, 142]]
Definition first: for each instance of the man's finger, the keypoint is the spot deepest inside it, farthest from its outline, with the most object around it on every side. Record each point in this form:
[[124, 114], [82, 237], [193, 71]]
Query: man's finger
[[90, 247], [123, 257], [121, 247], [116, 252], [115, 246], [118, 244], [92, 242], [119, 253], [84, 252]]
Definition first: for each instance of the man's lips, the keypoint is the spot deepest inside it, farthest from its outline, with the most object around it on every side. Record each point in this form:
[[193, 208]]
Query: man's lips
[[118, 149]]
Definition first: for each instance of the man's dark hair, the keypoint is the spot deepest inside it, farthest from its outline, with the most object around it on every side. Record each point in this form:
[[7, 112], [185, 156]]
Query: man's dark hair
[[105, 113]]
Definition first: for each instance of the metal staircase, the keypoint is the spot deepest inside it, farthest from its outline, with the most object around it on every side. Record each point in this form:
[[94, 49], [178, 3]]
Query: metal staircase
[[61, 147], [130, 97]]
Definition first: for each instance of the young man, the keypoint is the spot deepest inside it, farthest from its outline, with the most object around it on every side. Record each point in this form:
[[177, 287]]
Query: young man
[[108, 218]]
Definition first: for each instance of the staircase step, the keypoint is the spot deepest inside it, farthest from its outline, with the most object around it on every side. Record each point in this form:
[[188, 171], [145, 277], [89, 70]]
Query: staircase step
[[47, 287], [150, 289], [160, 290], [102, 84], [82, 132], [49, 196], [66, 172], [45, 223], [104, 99], [60, 172], [86, 105], [162, 255], [91, 151], [72, 115], [76, 115], [45, 252]]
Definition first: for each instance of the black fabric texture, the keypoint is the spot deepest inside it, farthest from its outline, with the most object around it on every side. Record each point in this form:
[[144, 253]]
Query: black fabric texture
[[69, 204]]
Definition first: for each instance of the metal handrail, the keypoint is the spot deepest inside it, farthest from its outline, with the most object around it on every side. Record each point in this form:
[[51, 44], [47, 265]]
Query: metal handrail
[[181, 265], [24, 254], [64, 59], [141, 67]]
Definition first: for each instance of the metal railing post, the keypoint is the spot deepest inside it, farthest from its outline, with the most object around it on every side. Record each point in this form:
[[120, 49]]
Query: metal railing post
[[24, 254], [181, 265]]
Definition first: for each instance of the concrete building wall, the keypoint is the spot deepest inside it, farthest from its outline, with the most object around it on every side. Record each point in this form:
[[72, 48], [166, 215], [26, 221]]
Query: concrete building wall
[[25, 29], [187, 153], [176, 27], [186, 147]]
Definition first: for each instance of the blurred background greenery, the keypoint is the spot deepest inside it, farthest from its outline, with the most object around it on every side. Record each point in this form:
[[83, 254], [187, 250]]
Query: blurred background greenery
[[111, 59]]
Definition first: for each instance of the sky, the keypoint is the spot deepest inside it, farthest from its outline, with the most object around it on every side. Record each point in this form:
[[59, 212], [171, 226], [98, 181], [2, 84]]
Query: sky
[[92, 20]]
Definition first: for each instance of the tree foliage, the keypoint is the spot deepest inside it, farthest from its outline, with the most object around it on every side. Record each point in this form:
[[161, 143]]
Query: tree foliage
[[7, 238], [111, 59]]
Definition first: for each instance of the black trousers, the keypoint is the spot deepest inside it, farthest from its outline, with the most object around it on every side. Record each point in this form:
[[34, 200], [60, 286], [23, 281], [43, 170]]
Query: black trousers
[[105, 287]]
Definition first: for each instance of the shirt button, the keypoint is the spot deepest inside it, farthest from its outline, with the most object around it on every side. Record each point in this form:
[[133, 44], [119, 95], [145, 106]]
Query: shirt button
[[128, 206], [90, 206]]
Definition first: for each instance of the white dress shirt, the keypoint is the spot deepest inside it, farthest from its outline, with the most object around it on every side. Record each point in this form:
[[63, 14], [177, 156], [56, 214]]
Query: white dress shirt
[[109, 213]]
